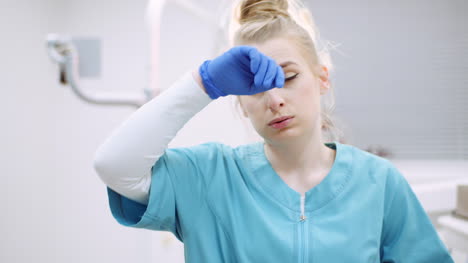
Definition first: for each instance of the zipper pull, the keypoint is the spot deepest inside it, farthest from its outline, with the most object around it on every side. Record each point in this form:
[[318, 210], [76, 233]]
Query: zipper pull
[[303, 217]]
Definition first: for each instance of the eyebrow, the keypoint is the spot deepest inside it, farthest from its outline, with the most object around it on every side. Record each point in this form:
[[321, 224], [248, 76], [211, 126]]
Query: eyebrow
[[287, 63]]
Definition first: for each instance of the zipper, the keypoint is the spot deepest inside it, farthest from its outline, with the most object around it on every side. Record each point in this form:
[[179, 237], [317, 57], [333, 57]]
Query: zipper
[[302, 233], [303, 217]]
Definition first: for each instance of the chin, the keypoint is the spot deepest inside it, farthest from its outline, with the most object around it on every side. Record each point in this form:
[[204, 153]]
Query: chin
[[285, 134]]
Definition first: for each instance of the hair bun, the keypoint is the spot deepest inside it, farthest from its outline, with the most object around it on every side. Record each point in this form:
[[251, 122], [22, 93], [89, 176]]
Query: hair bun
[[251, 10]]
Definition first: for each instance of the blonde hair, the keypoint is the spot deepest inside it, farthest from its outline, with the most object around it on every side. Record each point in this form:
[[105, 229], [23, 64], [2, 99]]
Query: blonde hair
[[256, 21]]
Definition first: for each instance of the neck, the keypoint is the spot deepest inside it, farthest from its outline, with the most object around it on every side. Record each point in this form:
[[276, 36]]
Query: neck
[[300, 158]]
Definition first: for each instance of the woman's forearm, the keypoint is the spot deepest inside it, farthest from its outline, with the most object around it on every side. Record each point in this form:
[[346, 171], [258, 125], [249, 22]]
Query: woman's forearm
[[124, 160]]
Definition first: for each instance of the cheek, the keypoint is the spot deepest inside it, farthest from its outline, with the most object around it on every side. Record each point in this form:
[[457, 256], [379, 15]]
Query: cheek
[[243, 104], [307, 100], [252, 109], [307, 94], [249, 107]]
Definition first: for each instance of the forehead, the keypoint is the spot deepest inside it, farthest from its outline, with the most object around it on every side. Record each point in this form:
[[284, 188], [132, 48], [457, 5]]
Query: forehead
[[281, 50]]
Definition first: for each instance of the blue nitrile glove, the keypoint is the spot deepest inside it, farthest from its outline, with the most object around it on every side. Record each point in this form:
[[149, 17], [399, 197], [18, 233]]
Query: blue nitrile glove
[[242, 70]]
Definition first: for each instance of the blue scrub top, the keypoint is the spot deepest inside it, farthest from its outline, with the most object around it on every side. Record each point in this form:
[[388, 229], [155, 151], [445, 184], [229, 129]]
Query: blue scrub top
[[229, 205]]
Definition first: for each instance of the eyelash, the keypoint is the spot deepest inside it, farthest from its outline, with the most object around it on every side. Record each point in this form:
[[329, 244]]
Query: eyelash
[[292, 77]]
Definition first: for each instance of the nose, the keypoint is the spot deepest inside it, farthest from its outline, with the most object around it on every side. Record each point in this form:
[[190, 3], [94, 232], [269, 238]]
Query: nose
[[274, 99]]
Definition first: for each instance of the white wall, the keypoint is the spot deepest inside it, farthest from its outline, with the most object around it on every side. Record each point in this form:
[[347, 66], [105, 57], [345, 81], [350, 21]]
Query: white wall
[[400, 74], [54, 207]]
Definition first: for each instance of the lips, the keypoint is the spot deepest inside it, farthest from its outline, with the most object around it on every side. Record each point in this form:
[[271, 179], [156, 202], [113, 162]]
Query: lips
[[280, 119]]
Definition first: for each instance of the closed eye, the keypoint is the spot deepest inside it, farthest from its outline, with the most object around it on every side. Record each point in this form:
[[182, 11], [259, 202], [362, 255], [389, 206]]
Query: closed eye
[[292, 77]]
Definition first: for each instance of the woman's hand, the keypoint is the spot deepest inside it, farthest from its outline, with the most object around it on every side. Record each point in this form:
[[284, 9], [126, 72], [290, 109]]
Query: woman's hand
[[242, 70]]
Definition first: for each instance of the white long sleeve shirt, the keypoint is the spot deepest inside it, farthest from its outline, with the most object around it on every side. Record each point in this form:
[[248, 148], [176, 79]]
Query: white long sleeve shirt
[[124, 160]]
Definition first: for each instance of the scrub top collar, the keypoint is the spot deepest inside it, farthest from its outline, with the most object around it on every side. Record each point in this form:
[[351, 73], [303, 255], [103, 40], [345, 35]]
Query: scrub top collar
[[317, 197]]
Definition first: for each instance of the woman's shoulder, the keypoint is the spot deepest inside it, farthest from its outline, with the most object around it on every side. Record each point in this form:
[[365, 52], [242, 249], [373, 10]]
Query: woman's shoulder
[[378, 167], [215, 149], [364, 157]]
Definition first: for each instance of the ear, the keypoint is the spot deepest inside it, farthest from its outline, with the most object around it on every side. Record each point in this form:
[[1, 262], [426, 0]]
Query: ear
[[323, 79]]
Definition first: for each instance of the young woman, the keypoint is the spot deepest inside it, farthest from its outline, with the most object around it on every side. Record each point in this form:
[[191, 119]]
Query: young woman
[[292, 197]]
